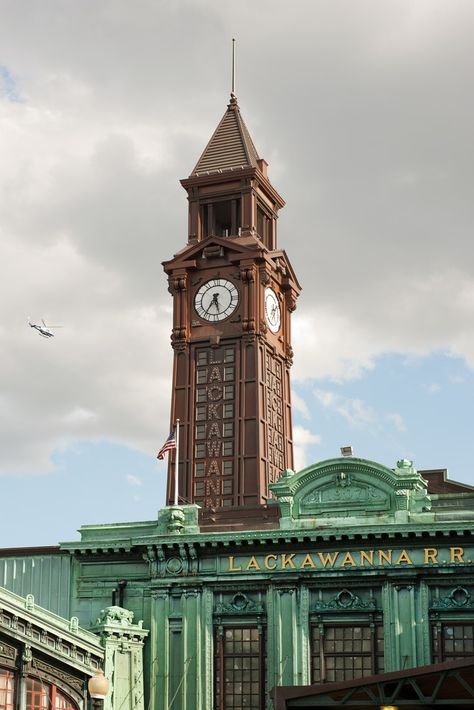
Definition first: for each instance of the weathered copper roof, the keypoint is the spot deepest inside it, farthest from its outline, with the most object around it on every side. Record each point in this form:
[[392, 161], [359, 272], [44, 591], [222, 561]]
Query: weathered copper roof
[[230, 147]]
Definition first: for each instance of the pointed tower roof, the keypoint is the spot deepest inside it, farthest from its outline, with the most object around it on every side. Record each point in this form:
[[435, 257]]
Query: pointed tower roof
[[230, 147]]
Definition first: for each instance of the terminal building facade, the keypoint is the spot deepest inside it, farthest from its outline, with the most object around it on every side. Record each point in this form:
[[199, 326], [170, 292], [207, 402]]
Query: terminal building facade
[[346, 584]]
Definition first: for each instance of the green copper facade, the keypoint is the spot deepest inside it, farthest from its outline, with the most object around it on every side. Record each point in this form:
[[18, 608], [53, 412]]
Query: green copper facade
[[358, 545]]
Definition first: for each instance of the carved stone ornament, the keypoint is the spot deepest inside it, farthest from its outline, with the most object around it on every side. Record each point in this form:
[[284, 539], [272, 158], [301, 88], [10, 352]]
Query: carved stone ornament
[[458, 598], [239, 604], [174, 565], [7, 651], [115, 615], [345, 600]]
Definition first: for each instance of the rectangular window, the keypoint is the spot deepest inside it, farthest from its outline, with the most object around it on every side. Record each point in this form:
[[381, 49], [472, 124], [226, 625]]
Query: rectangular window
[[200, 469], [200, 412], [345, 652], [201, 395], [227, 468], [228, 391], [200, 431], [229, 373], [229, 355], [228, 429], [201, 376], [7, 690], [201, 451], [239, 663], [202, 357], [228, 448], [452, 642], [227, 410]]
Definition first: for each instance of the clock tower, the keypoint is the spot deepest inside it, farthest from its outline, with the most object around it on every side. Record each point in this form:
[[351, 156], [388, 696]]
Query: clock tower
[[233, 295]]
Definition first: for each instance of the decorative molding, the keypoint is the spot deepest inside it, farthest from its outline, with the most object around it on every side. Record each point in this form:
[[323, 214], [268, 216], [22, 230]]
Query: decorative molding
[[458, 598], [239, 604], [345, 600]]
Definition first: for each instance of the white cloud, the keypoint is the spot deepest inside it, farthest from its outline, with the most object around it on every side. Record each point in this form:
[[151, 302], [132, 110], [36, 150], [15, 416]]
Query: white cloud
[[299, 405], [432, 388], [354, 411], [133, 480], [397, 421], [367, 140], [302, 439]]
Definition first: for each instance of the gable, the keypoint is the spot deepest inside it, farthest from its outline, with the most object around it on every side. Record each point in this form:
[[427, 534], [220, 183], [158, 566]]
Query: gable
[[338, 490]]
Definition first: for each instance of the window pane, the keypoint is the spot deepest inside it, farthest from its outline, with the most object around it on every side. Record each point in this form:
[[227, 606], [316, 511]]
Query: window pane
[[239, 681]]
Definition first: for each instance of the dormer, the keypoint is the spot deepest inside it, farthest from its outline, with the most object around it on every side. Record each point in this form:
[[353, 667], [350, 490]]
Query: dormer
[[229, 192]]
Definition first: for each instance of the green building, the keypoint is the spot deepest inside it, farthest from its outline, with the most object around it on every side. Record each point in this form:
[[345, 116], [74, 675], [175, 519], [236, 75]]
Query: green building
[[346, 584]]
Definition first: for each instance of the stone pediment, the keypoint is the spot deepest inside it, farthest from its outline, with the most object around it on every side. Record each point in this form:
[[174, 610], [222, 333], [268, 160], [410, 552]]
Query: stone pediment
[[212, 249], [337, 490]]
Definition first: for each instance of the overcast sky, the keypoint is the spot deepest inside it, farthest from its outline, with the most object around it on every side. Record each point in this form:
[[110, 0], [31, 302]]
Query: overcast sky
[[364, 111]]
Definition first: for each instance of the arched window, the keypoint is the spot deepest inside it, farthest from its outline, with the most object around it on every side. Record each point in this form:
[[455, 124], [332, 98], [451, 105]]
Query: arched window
[[44, 696]]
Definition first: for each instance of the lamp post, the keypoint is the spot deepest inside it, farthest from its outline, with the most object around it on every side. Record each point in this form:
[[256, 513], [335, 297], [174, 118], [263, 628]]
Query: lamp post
[[98, 687]]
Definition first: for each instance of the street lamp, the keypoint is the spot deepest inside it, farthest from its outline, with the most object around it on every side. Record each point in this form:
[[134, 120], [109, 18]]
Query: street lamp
[[98, 687], [388, 707]]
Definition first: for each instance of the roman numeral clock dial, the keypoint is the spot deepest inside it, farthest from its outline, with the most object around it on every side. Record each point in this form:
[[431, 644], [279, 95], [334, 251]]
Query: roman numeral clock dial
[[216, 300]]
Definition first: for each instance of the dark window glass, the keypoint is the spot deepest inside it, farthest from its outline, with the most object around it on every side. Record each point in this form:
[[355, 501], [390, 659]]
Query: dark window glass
[[346, 652], [452, 642], [239, 669]]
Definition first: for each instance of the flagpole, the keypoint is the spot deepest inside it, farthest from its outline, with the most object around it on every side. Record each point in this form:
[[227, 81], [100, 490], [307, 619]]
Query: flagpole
[[176, 465]]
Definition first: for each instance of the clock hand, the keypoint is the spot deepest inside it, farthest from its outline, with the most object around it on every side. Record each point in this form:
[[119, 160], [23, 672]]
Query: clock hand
[[215, 301]]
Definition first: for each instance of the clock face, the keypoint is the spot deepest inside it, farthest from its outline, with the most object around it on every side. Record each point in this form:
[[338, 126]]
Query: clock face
[[272, 310], [216, 300]]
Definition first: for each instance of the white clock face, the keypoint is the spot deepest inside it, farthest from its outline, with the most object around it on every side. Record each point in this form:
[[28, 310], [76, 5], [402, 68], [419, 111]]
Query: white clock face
[[272, 310], [216, 299]]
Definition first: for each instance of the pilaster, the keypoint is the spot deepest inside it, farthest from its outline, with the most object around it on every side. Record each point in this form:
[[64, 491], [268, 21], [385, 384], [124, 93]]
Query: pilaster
[[123, 643]]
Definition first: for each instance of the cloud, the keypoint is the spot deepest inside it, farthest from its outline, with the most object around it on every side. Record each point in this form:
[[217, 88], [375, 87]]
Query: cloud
[[354, 411], [302, 439], [367, 141], [133, 480], [397, 421], [432, 388]]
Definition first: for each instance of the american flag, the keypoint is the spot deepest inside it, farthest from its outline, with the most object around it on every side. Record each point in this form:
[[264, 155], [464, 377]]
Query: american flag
[[169, 444]]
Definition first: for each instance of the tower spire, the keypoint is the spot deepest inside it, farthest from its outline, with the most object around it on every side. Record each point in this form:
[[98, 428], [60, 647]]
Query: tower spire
[[233, 97]]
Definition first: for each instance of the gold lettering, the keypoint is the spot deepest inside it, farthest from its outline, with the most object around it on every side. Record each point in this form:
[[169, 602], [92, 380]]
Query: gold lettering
[[404, 557], [366, 556], [287, 560], [307, 562], [232, 568], [430, 555], [253, 564], [267, 559], [457, 554], [385, 556], [326, 558], [348, 560]]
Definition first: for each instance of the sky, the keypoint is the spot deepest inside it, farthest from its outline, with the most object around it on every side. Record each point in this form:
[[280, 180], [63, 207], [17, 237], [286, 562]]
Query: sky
[[363, 110]]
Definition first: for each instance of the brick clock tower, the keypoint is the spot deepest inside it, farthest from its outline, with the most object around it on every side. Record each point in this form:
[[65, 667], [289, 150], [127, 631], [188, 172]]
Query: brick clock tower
[[233, 295]]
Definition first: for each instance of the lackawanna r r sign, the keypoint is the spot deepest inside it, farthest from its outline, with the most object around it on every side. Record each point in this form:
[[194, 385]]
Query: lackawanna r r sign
[[344, 559]]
